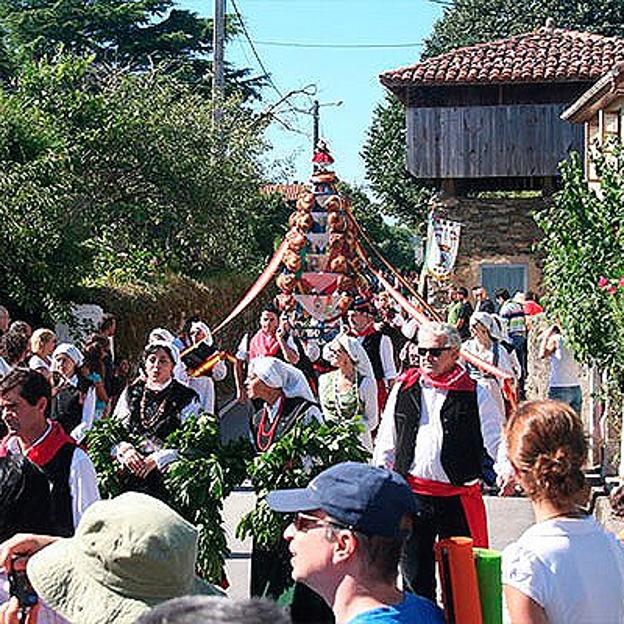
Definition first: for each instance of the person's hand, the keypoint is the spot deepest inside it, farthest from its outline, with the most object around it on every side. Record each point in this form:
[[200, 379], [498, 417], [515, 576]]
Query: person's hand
[[10, 613], [23, 545], [134, 462], [149, 464], [283, 328]]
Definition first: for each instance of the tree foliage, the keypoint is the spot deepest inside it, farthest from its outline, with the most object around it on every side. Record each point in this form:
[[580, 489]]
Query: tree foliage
[[584, 242], [137, 34], [104, 171]]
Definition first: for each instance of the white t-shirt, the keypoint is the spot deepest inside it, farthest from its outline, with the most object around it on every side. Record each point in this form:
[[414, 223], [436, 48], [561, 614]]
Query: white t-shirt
[[572, 567], [564, 371]]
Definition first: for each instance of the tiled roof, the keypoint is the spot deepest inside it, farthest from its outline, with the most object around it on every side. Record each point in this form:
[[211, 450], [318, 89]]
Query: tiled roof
[[290, 192], [544, 55]]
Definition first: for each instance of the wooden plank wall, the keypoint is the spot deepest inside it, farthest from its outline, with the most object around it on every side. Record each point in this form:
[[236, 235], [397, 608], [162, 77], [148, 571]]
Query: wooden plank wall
[[489, 141]]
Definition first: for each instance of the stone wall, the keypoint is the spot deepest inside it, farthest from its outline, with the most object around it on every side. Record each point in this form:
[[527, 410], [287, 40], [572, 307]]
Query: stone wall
[[500, 230]]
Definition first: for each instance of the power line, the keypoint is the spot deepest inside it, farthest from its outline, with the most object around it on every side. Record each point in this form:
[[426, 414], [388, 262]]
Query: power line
[[354, 46]]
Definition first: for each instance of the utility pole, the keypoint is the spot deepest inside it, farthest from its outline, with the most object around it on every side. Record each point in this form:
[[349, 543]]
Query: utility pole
[[316, 122], [218, 44]]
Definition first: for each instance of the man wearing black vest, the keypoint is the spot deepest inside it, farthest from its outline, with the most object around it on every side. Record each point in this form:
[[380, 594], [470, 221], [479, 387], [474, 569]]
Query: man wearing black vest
[[431, 434], [378, 346], [24, 397]]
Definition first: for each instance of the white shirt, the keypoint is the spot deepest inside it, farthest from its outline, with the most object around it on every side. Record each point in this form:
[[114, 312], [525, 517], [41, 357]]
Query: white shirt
[[204, 385], [386, 353], [427, 462], [572, 567], [38, 363], [564, 371], [83, 485]]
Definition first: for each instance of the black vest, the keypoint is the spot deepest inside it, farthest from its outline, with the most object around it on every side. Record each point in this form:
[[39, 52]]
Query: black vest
[[66, 408], [462, 443], [371, 344], [57, 472], [175, 397], [292, 410]]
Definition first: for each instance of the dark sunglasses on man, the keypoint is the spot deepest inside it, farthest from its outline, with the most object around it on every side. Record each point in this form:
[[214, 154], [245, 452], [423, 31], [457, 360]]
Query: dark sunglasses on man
[[434, 351]]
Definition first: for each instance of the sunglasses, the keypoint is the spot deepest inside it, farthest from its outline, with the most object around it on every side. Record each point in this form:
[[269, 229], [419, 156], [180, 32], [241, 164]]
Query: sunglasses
[[304, 522], [434, 351]]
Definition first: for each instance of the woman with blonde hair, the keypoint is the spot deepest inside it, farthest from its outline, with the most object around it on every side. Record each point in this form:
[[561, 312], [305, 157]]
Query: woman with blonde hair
[[565, 569], [42, 345]]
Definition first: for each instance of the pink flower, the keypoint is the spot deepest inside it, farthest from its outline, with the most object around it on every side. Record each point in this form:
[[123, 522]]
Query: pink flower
[[603, 282], [621, 282], [612, 290]]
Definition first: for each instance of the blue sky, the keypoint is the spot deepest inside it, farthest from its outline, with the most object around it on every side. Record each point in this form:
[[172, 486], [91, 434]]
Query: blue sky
[[347, 75]]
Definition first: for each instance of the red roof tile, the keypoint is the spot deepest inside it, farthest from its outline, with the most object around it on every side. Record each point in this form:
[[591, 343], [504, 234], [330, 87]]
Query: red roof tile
[[544, 55]]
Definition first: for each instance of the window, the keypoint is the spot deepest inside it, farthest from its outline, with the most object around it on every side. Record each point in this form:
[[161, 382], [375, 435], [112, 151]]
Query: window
[[513, 277]]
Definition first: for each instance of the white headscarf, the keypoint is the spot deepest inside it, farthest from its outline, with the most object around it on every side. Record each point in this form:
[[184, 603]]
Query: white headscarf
[[354, 350], [71, 351], [277, 374], [160, 334], [169, 347], [487, 321], [204, 328]]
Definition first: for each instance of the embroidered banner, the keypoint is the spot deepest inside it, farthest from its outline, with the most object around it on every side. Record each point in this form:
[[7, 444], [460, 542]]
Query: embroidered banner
[[442, 247]]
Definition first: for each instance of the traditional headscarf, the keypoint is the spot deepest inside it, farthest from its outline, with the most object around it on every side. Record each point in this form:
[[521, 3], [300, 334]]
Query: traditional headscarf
[[71, 351], [160, 334], [487, 321], [204, 328], [277, 374], [169, 347], [354, 350]]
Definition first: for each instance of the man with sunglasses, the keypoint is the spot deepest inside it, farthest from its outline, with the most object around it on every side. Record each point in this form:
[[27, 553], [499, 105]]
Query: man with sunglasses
[[346, 539], [431, 433]]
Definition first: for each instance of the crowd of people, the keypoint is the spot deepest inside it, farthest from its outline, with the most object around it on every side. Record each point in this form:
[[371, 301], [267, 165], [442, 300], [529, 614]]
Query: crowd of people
[[439, 430]]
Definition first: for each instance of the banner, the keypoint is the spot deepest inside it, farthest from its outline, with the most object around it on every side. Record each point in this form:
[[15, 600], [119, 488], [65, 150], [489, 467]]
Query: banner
[[442, 247], [320, 307]]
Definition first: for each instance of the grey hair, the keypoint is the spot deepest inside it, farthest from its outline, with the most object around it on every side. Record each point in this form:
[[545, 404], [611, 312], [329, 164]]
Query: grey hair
[[214, 610], [436, 329]]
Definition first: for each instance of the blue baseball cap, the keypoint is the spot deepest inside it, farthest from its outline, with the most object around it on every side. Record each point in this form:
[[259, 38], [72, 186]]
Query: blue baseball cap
[[362, 497]]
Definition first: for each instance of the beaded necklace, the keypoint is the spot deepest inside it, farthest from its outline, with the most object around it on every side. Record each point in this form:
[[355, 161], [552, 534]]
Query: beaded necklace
[[149, 422], [264, 436]]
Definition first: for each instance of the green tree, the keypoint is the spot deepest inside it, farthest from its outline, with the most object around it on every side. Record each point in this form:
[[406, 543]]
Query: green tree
[[134, 33], [465, 23], [105, 172]]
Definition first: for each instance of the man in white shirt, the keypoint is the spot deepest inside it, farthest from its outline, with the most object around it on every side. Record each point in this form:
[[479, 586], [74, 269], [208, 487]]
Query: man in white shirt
[[432, 432], [24, 397]]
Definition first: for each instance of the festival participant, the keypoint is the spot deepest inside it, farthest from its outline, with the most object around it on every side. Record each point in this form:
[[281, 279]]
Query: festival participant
[[431, 432], [152, 407], [565, 569], [514, 317], [346, 539], [24, 397], [531, 305], [378, 346], [73, 395], [460, 311], [42, 345], [272, 340], [198, 333], [21, 327], [564, 383], [115, 370], [16, 348], [95, 352], [350, 390], [129, 554], [482, 302]]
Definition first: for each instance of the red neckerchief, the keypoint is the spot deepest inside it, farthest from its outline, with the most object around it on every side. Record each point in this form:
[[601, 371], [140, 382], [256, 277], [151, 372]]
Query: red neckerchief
[[367, 332], [263, 344], [455, 379], [45, 450]]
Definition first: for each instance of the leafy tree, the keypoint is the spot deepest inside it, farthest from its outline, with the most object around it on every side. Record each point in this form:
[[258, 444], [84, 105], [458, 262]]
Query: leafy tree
[[584, 247], [135, 33], [464, 23], [104, 171]]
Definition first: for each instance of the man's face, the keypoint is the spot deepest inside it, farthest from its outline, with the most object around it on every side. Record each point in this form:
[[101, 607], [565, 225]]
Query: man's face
[[436, 364], [359, 321], [268, 322], [311, 551], [479, 294], [18, 414]]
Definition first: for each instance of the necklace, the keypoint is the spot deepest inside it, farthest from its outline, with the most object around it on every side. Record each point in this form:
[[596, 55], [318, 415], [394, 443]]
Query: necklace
[[149, 421], [264, 436], [573, 513], [339, 407]]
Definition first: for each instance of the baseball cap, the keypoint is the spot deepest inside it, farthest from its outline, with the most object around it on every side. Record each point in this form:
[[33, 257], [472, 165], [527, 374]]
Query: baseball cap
[[362, 497]]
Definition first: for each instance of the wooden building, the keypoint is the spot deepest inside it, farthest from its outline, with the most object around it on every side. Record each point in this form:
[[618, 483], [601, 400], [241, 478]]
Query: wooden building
[[488, 118], [601, 111]]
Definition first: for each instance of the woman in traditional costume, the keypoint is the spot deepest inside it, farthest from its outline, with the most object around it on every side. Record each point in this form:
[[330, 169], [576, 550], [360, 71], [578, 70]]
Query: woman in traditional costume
[[351, 389], [73, 395], [285, 398], [152, 407]]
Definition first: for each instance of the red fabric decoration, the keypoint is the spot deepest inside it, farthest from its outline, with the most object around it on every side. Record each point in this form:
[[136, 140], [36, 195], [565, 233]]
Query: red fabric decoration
[[263, 344], [455, 379], [44, 451]]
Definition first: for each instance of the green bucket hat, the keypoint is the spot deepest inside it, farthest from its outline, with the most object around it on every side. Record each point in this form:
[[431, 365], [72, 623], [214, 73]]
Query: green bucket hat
[[129, 554]]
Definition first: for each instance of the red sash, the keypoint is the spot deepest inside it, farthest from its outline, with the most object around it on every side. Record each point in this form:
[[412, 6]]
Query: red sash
[[455, 379], [45, 450], [471, 500], [263, 344]]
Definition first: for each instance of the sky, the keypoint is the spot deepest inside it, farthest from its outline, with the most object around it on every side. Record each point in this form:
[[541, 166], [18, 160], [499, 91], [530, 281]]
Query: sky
[[347, 75]]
